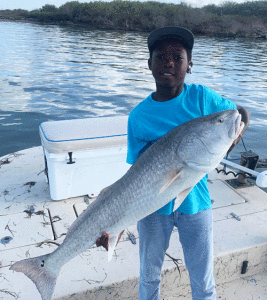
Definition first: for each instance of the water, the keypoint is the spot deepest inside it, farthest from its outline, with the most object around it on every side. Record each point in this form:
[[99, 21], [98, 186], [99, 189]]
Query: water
[[49, 72]]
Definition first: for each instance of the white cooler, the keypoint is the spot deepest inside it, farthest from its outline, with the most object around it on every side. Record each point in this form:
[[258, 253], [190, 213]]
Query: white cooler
[[83, 156]]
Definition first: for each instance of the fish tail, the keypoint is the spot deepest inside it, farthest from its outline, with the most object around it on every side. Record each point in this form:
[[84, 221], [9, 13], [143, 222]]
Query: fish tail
[[37, 270]]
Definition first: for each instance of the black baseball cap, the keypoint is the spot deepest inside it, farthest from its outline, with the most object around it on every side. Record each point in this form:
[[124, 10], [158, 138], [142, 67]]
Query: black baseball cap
[[184, 36]]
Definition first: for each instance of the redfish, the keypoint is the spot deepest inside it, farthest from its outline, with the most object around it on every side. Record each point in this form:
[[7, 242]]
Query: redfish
[[168, 169]]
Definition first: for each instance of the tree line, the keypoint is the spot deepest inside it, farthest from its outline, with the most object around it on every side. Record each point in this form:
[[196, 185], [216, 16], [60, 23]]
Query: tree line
[[231, 19]]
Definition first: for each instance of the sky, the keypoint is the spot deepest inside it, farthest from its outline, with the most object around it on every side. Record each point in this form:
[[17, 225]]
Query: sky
[[36, 4]]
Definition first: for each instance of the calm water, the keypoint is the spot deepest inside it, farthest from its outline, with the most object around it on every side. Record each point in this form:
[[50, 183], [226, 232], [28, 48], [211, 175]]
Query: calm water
[[51, 73]]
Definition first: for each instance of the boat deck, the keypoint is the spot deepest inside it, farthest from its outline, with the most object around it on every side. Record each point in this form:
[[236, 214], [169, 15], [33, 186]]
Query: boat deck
[[31, 224]]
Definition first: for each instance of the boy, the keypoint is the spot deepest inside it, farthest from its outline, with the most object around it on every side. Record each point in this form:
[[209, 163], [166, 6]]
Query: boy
[[172, 104]]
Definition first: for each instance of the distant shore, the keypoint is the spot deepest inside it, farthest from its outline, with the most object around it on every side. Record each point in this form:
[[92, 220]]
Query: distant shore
[[230, 19]]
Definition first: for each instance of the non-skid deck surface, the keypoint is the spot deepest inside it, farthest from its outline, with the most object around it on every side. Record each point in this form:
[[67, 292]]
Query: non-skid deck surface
[[36, 225]]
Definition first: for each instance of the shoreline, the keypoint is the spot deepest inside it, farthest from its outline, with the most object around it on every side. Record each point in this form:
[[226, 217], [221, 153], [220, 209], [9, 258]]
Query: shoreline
[[247, 20], [262, 35]]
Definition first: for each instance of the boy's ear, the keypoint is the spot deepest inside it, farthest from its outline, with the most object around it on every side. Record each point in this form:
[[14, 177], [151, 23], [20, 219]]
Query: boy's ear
[[190, 65], [149, 63]]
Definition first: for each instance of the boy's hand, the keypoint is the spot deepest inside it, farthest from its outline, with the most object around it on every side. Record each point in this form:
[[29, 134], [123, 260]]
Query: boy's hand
[[245, 113]]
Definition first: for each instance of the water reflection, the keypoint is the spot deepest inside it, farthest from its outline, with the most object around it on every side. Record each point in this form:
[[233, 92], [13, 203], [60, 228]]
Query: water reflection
[[52, 72]]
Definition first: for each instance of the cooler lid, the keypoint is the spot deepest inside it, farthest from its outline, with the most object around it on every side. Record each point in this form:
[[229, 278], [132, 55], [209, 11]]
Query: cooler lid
[[81, 134]]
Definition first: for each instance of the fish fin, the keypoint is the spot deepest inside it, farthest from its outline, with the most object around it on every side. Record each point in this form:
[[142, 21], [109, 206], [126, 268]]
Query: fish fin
[[36, 270], [112, 242], [171, 179], [180, 198]]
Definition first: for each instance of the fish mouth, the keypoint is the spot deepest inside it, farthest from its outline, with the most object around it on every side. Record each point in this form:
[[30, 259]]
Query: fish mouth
[[236, 128]]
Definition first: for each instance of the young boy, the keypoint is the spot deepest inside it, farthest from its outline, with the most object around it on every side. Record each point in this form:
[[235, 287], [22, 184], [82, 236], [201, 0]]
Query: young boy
[[172, 104]]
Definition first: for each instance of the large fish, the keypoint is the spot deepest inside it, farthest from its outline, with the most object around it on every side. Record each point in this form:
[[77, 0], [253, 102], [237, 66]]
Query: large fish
[[168, 169]]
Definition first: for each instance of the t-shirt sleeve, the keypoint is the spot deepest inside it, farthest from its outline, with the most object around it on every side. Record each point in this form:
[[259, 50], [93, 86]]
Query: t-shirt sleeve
[[213, 102], [135, 144]]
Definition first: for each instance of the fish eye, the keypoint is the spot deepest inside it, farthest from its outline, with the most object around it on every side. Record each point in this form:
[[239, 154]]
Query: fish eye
[[220, 120]]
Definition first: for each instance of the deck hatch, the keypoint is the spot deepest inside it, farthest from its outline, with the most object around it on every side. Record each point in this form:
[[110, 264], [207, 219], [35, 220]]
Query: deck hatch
[[223, 195]]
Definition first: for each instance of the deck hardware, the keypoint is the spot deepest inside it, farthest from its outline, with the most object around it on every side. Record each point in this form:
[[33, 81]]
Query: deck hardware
[[235, 216], [261, 178], [70, 159], [244, 267], [262, 163], [237, 185], [249, 159]]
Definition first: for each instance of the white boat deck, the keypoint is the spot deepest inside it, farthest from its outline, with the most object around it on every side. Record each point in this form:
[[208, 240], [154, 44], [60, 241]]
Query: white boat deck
[[37, 225]]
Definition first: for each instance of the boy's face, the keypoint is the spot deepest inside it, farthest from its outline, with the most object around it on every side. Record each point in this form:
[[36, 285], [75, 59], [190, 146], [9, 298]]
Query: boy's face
[[169, 64]]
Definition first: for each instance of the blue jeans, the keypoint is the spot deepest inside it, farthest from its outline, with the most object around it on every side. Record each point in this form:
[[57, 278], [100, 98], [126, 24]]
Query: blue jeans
[[196, 237]]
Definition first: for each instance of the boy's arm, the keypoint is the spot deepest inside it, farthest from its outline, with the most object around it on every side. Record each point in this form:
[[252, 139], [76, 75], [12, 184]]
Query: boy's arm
[[245, 113]]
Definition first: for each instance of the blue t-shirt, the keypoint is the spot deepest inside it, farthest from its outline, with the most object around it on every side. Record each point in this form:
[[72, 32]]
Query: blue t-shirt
[[151, 119]]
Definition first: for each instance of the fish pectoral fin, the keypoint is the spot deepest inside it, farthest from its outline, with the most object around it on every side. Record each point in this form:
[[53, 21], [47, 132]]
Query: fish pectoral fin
[[112, 243], [171, 179], [180, 198]]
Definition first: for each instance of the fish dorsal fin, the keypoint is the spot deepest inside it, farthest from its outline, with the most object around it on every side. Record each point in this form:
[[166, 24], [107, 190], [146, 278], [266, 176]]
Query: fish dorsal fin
[[171, 179], [180, 198]]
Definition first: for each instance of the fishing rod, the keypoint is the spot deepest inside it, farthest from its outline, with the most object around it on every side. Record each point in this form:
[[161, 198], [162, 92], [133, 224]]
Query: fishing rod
[[261, 178]]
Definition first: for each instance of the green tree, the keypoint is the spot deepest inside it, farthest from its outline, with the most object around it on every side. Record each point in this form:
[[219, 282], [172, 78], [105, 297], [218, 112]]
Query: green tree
[[50, 9]]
